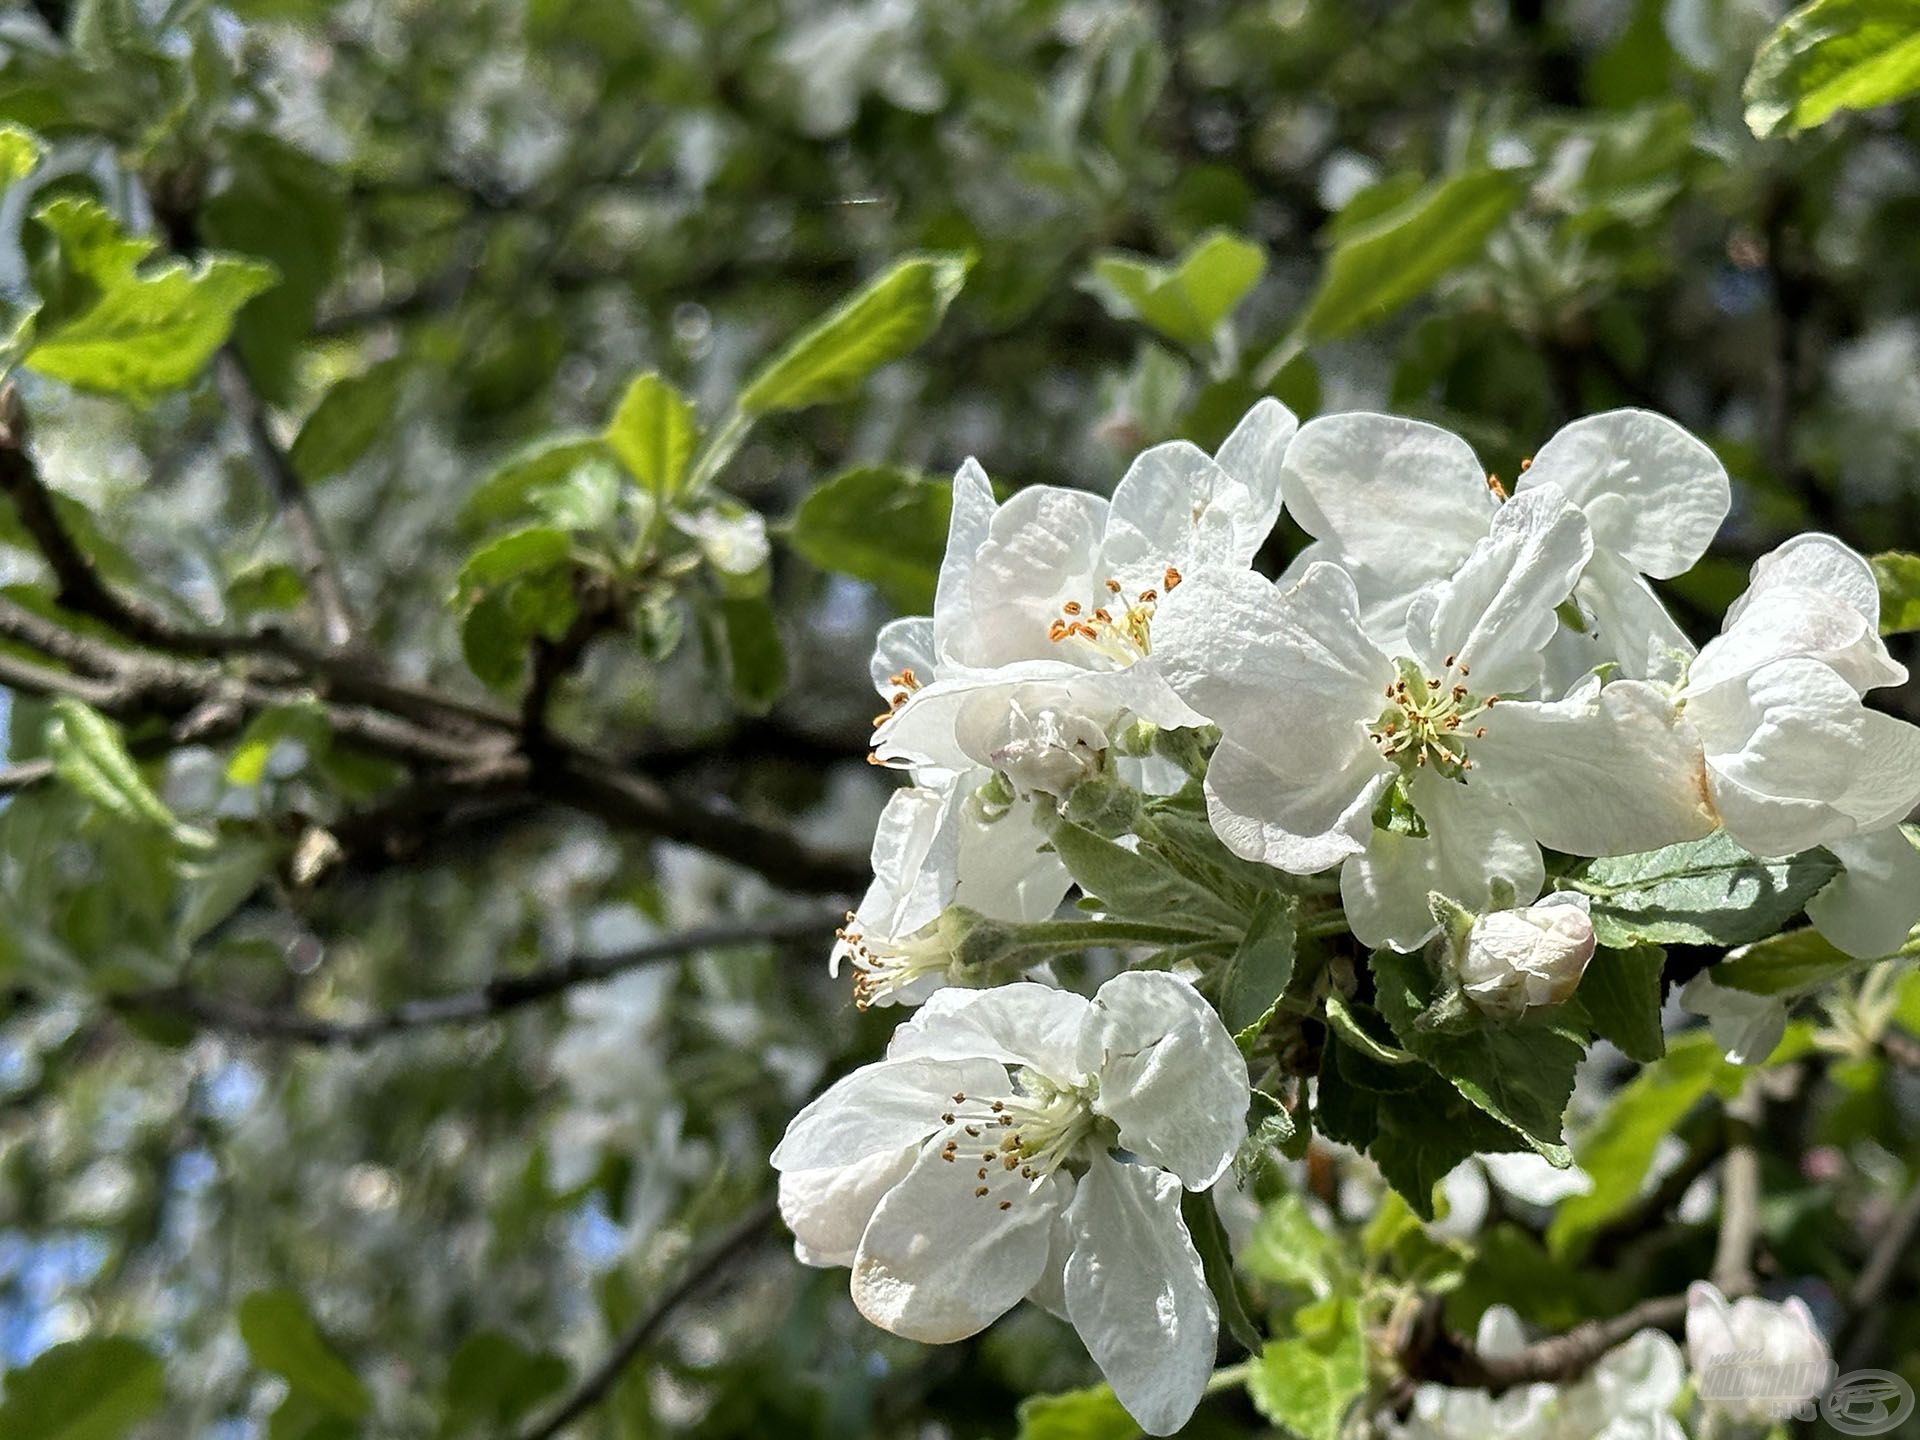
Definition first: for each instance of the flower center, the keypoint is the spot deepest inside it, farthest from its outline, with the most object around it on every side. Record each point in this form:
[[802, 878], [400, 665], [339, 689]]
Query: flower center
[[1115, 631], [1029, 1134], [882, 968], [1429, 722]]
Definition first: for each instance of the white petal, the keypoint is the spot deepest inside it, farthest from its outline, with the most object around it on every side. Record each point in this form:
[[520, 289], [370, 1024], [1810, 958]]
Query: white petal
[[882, 1108], [1642, 1376], [1795, 760], [905, 644], [1400, 503], [1040, 553], [1050, 1290], [1789, 622], [1253, 455], [1604, 773], [916, 861], [1496, 613], [1869, 908], [1019, 1024], [1170, 1075], [1137, 1294], [827, 1210], [1814, 562], [939, 1262], [1472, 837], [1653, 493], [1176, 506], [1746, 1027], [1302, 821], [1280, 672], [1709, 1325], [1003, 871], [1626, 625], [967, 526]]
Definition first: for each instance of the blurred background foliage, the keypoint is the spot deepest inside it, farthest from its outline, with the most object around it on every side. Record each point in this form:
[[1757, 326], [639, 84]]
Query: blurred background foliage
[[308, 1213]]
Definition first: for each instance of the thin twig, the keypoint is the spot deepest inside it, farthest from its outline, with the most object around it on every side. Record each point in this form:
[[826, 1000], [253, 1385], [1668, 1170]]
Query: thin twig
[[497, 997], [1866, 1315], [598, 1383], [316, 558], [1739, 1195]]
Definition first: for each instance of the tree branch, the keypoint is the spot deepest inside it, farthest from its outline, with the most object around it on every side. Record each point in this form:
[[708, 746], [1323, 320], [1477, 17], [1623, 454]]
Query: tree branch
[[1739, 1195], [1866, 1314], [499, 996], [598, 1383], [1434, 1353], [317, 562]]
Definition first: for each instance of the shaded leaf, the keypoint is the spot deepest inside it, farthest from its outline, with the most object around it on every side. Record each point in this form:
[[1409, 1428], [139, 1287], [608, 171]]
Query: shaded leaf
[[283, 1338], [881, 524], [1620, 992], [1700, 892], [756, 658], [345, 424], [1256, 975], [92, 1389], [1795, 963]]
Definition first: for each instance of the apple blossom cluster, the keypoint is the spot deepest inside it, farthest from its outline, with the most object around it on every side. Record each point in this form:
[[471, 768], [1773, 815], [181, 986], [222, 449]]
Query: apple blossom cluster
[[1452, 693]]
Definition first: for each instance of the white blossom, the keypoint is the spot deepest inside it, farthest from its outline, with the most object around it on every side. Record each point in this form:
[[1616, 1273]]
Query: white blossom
[[1320, 725], [1792, 757], [1530, 956], [1746, 1027], [1755, 1359], [1047, 603], [1400, 504], [1024, 1142]]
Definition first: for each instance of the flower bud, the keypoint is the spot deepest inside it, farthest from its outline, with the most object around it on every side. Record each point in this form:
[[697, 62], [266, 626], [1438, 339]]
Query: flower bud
[[1047, 750], [1755, 1359], [1517, 960]]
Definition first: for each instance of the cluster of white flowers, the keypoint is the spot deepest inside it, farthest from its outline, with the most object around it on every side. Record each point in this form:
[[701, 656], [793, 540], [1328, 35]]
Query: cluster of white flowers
[[1445, 683]]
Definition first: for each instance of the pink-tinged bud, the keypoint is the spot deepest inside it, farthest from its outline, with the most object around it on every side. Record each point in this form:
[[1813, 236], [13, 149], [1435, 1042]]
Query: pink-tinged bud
[[1519, 960]]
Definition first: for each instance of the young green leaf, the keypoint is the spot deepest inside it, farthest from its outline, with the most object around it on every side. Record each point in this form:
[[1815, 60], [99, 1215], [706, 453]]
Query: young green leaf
[[756, 659], [1833, 55], [884, 320], [512, 491], [93, 1389], [881, 524], [20, 153], [1090, 1414], [282, 1337], [1795, 963], [492, 1382], [1308, 1382], [653, 431], [520, 552], [1256, 975], [90, 755], [1184, 301], [1288, 1248], [109, 329], [1380, 266], [1899, 577], [1699, 892]]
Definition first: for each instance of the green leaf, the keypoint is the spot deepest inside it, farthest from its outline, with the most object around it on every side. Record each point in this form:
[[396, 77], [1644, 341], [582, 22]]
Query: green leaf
[[1135, 885], [1520, 1072], [1796, 963], [1209, 1237], [90, 754], [756, 658], [1255, 977], [1700, 892], [1621, 994], [492, 1381], [270, 586], [513, 491], [653, 431], [282, 1337], [288, 208], [882, 524], [345, 424], [110, 329], [305, 724], [20, 153], [1830, 56], [1618, 1149], [521, 552], [1187, 300], [1090, 1414], [1308, 1382], [1288, 1248], [1378, 267], [1899, 577], [890, 316], [92, 1389]]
